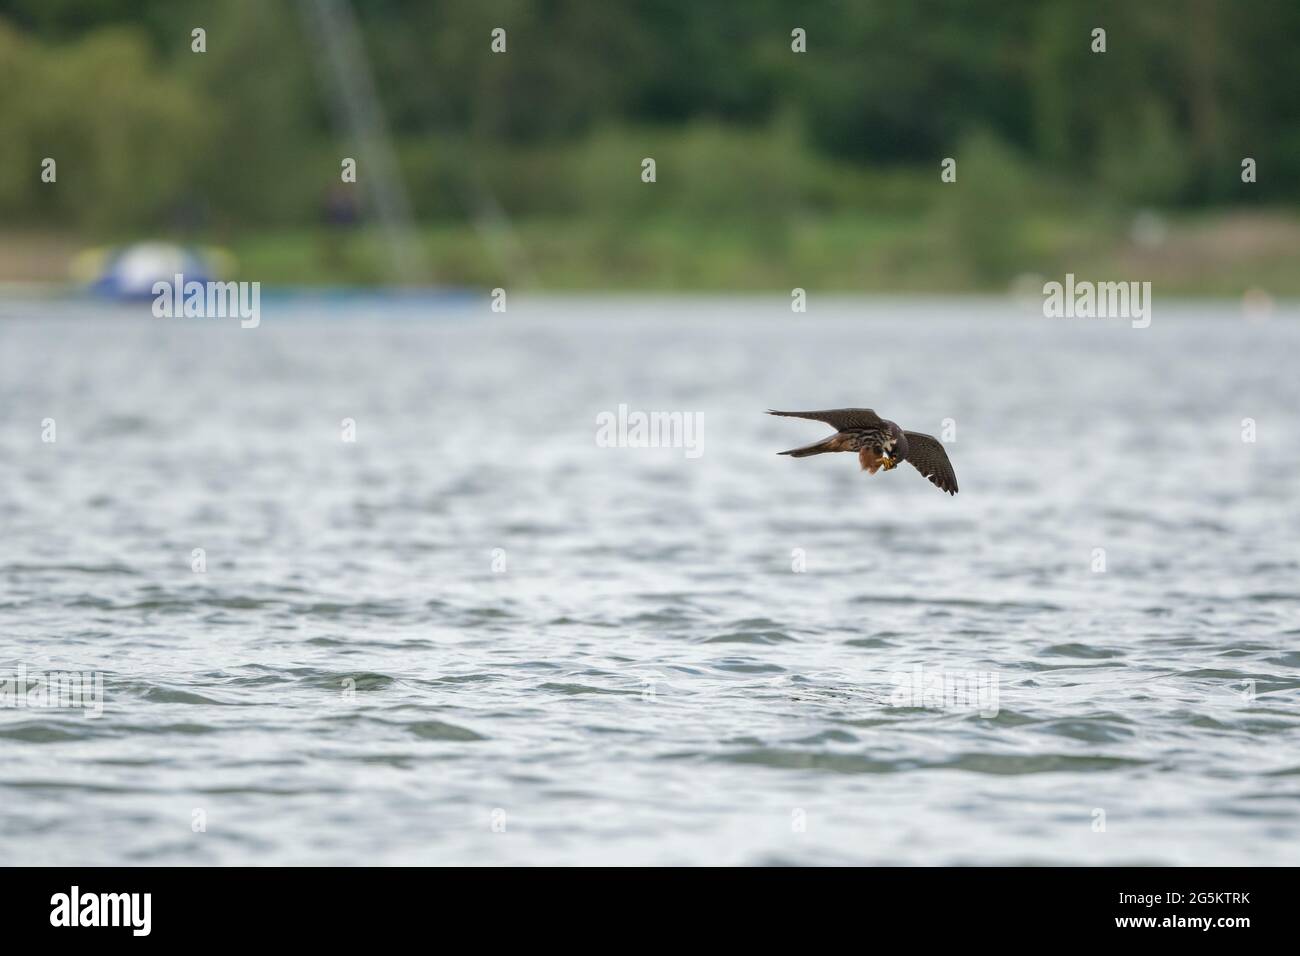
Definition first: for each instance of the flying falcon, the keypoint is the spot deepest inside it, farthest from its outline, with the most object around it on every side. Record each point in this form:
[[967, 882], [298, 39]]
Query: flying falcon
[[879, 443]]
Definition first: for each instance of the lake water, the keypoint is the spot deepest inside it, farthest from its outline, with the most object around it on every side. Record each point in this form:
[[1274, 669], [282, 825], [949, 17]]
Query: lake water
[[477, 635]]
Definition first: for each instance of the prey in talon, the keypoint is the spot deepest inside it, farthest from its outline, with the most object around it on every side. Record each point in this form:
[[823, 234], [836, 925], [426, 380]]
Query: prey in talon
[[880, 444]]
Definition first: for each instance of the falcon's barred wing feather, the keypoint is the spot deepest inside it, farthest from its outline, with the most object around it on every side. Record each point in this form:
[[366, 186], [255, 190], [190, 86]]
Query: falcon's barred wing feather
[[927, 455], [838, 418]]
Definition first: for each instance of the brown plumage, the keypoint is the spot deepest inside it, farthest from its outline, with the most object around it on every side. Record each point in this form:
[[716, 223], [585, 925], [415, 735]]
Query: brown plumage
[[879, 443]]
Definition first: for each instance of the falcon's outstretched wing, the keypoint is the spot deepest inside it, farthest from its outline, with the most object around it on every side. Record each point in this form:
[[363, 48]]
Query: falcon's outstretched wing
[[927, 455], [840, 419]]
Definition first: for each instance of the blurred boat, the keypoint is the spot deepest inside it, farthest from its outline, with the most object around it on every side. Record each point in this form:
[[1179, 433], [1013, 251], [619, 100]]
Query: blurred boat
[[130, 272]]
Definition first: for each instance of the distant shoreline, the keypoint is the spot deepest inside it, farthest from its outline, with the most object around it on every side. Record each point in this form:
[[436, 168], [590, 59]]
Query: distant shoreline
[[1206, 254]]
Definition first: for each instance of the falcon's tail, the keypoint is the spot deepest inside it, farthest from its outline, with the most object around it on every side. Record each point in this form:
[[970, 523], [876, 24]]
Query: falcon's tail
[[815, 449]]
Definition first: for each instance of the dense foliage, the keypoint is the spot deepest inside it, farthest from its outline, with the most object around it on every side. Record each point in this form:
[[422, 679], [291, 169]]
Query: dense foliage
[[249, 135]]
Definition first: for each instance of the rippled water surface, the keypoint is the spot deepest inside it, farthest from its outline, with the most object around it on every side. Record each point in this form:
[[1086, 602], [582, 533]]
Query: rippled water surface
[[474, 635]]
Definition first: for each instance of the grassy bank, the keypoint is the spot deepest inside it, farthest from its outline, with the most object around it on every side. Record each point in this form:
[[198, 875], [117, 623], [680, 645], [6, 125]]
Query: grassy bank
[[1202, 254]]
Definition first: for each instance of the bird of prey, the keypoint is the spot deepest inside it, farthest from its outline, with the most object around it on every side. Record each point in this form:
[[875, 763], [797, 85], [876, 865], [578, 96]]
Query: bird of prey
[[879, 443]]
